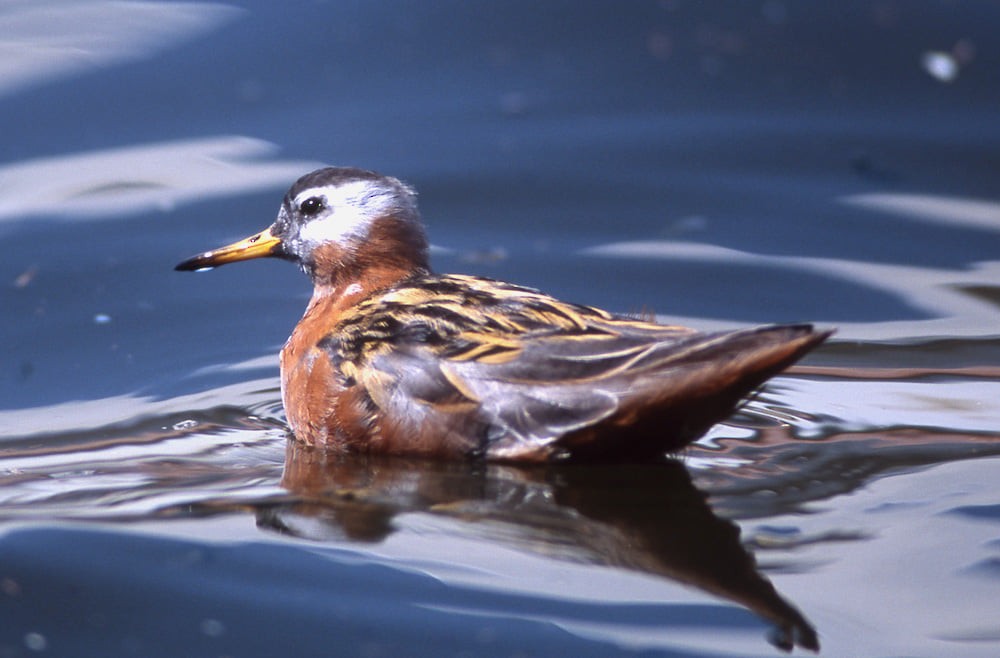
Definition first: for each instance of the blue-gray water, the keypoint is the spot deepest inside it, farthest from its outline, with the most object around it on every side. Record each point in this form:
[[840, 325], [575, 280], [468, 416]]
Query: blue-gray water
[[718, 164]]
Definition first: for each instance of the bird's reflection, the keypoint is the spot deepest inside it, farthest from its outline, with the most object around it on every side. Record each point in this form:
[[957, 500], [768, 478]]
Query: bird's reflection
[[649, 518]]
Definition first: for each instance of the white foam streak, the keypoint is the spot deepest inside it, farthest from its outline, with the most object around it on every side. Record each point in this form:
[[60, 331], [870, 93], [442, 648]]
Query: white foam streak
[[44, 40], [134, 179], [933, 209], [938, 292], [88, 415]]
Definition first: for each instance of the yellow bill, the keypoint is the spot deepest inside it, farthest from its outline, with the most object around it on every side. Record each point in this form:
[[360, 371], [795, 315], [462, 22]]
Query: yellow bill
[[256, 246]]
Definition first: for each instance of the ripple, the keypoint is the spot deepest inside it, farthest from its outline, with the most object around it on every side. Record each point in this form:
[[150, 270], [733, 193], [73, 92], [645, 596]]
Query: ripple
[[940, 293], [57, 38], [109, 183]]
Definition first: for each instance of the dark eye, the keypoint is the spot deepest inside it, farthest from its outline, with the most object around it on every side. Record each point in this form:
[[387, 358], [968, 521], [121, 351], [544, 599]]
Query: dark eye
[[311, 206]]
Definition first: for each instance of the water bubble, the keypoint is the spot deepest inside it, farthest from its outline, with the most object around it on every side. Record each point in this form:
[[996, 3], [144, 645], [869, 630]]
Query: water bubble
[[10, 587], [940, 65], [35, 641], [26, 277], [212, 627]]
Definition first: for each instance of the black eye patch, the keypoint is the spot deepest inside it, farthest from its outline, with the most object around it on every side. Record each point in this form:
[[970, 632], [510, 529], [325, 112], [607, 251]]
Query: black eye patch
[[311, 206]]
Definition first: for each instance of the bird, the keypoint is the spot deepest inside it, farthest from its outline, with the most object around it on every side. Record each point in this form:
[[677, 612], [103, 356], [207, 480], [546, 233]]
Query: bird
[[392, 358]]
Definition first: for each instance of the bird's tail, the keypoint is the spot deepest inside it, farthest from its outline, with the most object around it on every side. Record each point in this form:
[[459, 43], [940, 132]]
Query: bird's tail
[[691, 389]]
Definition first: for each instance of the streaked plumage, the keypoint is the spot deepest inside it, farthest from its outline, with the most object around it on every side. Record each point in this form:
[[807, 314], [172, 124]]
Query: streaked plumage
[[392, 358]]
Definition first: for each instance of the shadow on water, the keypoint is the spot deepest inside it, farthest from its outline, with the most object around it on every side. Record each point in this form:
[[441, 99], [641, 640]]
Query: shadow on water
[[646, 518]]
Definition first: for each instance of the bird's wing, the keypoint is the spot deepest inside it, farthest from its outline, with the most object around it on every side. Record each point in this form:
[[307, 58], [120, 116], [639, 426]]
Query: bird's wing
[[521, 371], [510, 371], [553, 385]]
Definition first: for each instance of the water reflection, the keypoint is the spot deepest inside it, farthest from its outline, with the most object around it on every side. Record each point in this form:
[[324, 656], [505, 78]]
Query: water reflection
[[59, 39], [779, 474], [648, 518], [192, 456], [983, 214], [109, 183], [937, 300]]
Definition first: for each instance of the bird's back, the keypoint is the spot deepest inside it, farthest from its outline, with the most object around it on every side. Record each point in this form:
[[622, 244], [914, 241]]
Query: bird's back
[[460, 364]]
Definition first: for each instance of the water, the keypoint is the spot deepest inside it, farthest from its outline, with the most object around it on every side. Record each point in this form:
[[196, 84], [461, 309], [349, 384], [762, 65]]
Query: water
[[718, 165]]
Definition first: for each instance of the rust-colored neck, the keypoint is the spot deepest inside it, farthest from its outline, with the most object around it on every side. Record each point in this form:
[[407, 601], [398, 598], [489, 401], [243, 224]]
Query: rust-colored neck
[[394, 249]]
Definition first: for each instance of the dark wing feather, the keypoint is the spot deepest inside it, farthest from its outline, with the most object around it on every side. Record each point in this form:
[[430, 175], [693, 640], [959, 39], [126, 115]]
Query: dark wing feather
[[515, 374], [656, 388]]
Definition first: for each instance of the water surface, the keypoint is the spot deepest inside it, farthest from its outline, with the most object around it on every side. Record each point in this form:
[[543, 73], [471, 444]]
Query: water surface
[[717, 165]]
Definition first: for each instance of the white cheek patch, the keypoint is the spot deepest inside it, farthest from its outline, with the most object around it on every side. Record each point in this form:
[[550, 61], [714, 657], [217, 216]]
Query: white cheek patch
[[350, 210]]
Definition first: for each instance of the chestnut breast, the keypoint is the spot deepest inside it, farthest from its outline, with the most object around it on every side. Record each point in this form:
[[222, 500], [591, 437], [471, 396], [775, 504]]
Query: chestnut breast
[[321, 409]]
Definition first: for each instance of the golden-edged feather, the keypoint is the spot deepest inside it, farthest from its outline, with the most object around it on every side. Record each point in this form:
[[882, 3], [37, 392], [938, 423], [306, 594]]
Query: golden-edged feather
[[462, 364]]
